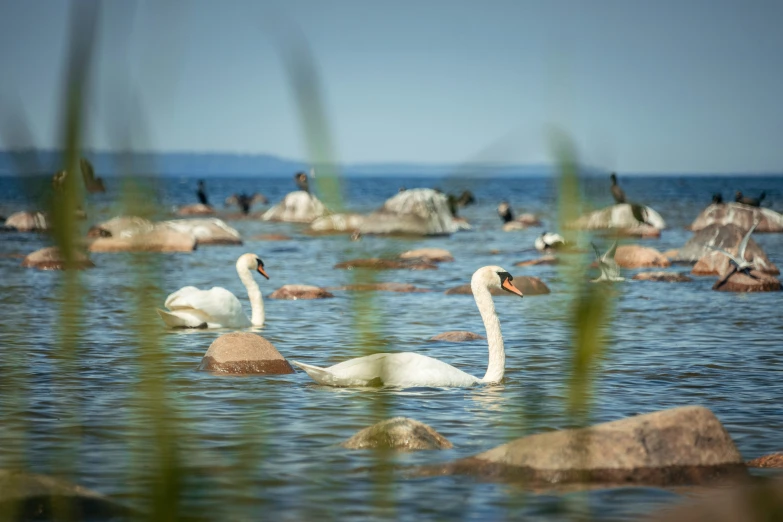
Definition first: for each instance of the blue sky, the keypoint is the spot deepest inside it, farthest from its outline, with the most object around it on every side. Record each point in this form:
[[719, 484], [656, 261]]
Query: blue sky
[[641, 86]]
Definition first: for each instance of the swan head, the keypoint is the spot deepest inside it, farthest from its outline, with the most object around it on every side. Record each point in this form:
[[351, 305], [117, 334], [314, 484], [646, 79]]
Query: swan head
[[251, 262], [495, 277]]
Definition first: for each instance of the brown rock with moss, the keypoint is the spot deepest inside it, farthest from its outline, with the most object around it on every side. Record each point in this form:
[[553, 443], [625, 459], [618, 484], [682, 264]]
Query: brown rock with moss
[[664, 277], [50, 258], [686, 445], [529, 285], [753, 282], [295, 292], [244, 353], [635, 256], [457, 336], [399, 433], [375, 263]]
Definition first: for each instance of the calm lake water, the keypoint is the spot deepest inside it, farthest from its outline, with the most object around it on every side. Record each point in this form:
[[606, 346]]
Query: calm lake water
[[669, 345]]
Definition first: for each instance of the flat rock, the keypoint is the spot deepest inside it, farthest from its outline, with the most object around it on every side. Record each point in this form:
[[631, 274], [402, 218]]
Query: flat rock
[[242, 353], [207, 231], [50, 258], [457, 336], [740, 282], [529, 285], [726, 237], [686, 445], [375, 263], [433, 255], [297, 207], [543, 260], [381, 287], [635, 256], [400, 433], [294, 292], [672, 253], [158, 240], [272, 237], [122, 227], [337, 223], [620, 216], [199, 209], [739, 215], [27, 221], [417, 212], [773, 460], [664, 277], [40, 497]]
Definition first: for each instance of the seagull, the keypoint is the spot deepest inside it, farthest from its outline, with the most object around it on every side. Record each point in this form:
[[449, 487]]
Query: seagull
[[741, 264], [610, 270]]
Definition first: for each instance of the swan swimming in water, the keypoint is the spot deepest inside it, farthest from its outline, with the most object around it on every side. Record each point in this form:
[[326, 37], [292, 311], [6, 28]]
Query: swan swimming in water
[[190, 307], [408, 369]]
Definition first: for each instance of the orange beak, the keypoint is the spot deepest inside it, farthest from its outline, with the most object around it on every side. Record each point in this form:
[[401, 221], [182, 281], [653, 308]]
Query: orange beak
[[261, 271], [509, 286]]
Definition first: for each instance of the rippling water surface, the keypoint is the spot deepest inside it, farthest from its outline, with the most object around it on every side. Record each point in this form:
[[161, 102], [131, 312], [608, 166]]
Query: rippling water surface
[[670, 345]]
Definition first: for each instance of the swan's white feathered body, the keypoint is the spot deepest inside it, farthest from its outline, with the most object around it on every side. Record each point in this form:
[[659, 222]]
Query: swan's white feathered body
[[190, 307], [408, 369]]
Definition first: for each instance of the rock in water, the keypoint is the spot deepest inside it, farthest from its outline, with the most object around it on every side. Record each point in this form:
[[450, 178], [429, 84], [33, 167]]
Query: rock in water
[[621, 216], [27, 221], [665, 277], [742, 216], [50, 258], [199, 209], [774, 460], [244, 352], [457, 336], [375, 263], [207, 231], [420, 212], [432, 255], [381, 287], [399, 433], [726, 237], [527, 284], [157, 240], [635, 256], [294, 292], [741, 282], [686, 445], [296, 207]]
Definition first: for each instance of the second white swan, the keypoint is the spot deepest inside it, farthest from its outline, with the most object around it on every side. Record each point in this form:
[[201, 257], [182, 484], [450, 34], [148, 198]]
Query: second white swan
[[217, 307], [408, 369]]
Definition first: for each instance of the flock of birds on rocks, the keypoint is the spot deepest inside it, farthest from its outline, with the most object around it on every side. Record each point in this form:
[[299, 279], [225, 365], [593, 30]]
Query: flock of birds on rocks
[[427, 210]]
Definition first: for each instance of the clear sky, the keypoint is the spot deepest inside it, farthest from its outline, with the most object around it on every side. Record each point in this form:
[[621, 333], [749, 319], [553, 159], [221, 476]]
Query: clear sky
[[641, 85]]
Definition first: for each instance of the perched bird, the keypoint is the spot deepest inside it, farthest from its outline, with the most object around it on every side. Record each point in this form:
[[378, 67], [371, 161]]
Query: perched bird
[[752, 202], [617, 192], [201, 193], [739, 261], [717, 198], [549, 241], [505, 212], [300, 178], [610, 270], [244, 202]]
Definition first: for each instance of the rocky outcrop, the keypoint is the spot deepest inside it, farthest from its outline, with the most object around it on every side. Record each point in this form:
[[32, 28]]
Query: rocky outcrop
[[420, 212], [543, 260], [432, 255], [338, 223], [686, 445], [28, 496], [635, 256], [375, 263], [122, 227], [199, 209], [207, 231], [381, 287], [716, 263], [457, 336], [735, 281], [773, 460], [621, 216], [726, 237], [739, 215], [27, 221], [242, 353], [50, 258], [294, 292], [399, 433], [296, 207], [663, 277], [158, 240], [528, 285]]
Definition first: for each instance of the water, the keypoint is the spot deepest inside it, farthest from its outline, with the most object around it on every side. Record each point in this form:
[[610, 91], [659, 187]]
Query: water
[[671, 345]]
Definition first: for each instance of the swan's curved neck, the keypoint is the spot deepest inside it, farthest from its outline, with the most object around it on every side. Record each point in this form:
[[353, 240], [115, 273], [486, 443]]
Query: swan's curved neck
[[497, 354], [254, 294]]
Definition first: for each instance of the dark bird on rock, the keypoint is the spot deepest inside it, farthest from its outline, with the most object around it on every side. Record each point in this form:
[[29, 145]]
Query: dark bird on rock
[[752, 202], [244, 202], [617, 192]]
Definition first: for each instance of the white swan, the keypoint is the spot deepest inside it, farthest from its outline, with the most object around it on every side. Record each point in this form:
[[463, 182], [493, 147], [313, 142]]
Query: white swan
[[190, 307], [409, 369]]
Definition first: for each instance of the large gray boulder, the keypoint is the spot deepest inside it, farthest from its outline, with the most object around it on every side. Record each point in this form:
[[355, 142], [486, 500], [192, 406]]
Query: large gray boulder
[[297, 207], [420, 212], [399, 433], [726, 237], [621, 216], [742, 216], [677, 446], [242, 353]]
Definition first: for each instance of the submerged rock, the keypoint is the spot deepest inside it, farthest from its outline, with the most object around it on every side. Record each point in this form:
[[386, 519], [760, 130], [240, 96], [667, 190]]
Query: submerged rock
[[543, 260], [50, 258], [294, 292], [242, 353], [773, 460], [528, 285], [375, 263], [432, 255], [457, 336], [381, 287], [297, 207], [635, 256], [27, 221], [737, 214], [686, 445], [665, 277], [399, 433], [741, 282]]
